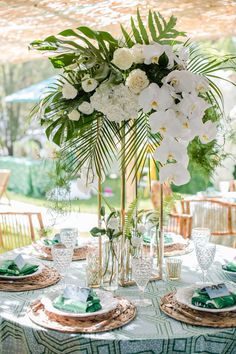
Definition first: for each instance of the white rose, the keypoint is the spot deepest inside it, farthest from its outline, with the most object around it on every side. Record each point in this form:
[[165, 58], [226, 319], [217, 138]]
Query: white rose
[[74, 115], [69, 91], [113, 223], [123, 58], [136, 241], [137, 81], [89, 84], [86, 108], [141, 228], [137, 51]]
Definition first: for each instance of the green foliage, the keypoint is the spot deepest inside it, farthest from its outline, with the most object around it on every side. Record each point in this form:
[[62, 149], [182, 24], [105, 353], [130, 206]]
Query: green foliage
[[111, 233], [129, 216], [94, 140], [161, 31]]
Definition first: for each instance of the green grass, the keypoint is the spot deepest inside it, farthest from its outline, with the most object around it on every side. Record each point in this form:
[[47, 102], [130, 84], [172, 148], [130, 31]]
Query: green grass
[[85, 206]]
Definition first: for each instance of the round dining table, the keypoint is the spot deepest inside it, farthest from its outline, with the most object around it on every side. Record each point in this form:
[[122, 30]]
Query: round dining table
[[151, 332]]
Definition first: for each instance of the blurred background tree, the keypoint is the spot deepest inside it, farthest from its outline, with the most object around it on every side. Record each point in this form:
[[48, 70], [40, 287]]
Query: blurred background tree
[[13, 116]]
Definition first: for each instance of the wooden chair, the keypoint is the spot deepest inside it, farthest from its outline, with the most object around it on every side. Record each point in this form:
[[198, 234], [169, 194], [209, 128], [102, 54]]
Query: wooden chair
[[180, 224], [232, 186], [19, 229], [219, 216], [4, 179]]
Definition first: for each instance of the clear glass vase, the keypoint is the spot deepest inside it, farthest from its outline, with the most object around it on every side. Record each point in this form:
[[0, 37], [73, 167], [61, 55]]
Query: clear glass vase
[[110, 264]]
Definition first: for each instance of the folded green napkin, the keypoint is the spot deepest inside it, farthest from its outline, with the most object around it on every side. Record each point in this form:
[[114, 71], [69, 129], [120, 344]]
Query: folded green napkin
[[71, 305], [9, 268], [231, 267], [50, 242], [200, 298]]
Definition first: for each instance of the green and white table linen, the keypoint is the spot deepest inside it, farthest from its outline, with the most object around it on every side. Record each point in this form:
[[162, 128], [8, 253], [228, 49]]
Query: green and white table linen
[[152, 332]]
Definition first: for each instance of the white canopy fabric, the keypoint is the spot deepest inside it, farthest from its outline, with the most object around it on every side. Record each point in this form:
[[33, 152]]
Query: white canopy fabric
[[22, 21]]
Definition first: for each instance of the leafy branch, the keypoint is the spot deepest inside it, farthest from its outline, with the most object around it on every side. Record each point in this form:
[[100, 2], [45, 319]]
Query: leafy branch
[[161, 31]]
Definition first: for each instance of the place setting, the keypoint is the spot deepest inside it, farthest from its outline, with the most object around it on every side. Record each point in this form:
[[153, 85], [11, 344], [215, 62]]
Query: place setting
[[81, 310], [43, 248], [174, 244], [21, 274], [202, 303]]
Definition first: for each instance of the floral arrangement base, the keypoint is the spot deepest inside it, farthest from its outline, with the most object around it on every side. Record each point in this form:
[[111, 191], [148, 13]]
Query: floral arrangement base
[[154, 277], [124, 313]]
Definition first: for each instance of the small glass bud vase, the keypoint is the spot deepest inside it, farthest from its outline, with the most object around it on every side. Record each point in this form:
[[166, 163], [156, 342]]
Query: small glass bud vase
[[93, 271], [110, 264]]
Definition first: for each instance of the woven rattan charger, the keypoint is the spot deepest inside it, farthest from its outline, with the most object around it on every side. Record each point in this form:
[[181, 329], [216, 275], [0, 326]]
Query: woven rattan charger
[[45, 253], [122, 315], [47, 277], [182, 313]]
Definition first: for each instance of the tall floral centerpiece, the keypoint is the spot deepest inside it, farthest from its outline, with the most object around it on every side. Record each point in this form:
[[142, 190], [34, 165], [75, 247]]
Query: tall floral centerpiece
[[147, 95]]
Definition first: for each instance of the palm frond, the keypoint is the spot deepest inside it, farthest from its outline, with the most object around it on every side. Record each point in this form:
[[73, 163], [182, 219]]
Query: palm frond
[[95, 145], [139, 146]]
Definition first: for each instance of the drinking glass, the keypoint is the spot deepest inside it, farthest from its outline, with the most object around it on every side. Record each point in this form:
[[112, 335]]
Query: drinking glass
[[93, 272], [69, 237], [173, 268], [62, 257], [200, 235], [205, 256], [141, 272]]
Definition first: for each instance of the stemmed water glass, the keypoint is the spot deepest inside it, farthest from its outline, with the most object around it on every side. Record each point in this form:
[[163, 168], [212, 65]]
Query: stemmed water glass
[[62, 257], [141, 271], [205, 256], [69, 237], [201, 235]]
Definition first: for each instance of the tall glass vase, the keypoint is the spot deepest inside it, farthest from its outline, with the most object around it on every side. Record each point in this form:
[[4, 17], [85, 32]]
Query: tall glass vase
[[110, 264]]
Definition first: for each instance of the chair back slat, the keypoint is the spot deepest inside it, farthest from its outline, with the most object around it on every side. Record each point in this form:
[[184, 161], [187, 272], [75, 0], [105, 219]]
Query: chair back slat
[[180, 224], [19, 229], [212, 213]]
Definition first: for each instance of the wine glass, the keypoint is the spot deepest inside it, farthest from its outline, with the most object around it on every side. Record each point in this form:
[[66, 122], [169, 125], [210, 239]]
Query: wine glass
[[205, 256], [69, 237], [62, 257], [141, 271], [200, 235]]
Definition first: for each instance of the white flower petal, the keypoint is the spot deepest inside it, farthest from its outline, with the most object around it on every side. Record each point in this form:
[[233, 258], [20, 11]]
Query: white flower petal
[[174, 173], [86, 108], [171, 150], [152, 53], [165, 123], [69, 91], [74, 115], [208, 132], [89, 84], [155, 97], [137, 81], [123, 58]]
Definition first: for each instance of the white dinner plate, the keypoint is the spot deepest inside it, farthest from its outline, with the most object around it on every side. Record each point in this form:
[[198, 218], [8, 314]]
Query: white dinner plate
[[231, 275], [184, 297], [14, 277], [108, 303]]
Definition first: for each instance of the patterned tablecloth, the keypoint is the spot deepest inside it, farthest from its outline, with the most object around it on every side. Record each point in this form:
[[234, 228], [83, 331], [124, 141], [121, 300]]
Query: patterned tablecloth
[[150, 332]]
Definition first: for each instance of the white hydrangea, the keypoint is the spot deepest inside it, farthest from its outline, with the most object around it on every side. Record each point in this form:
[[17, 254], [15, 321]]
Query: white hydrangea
[[117, 102], [123, 58], [69, 91], [74, 115], [137, 81], [86, 108], [89, 84]]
